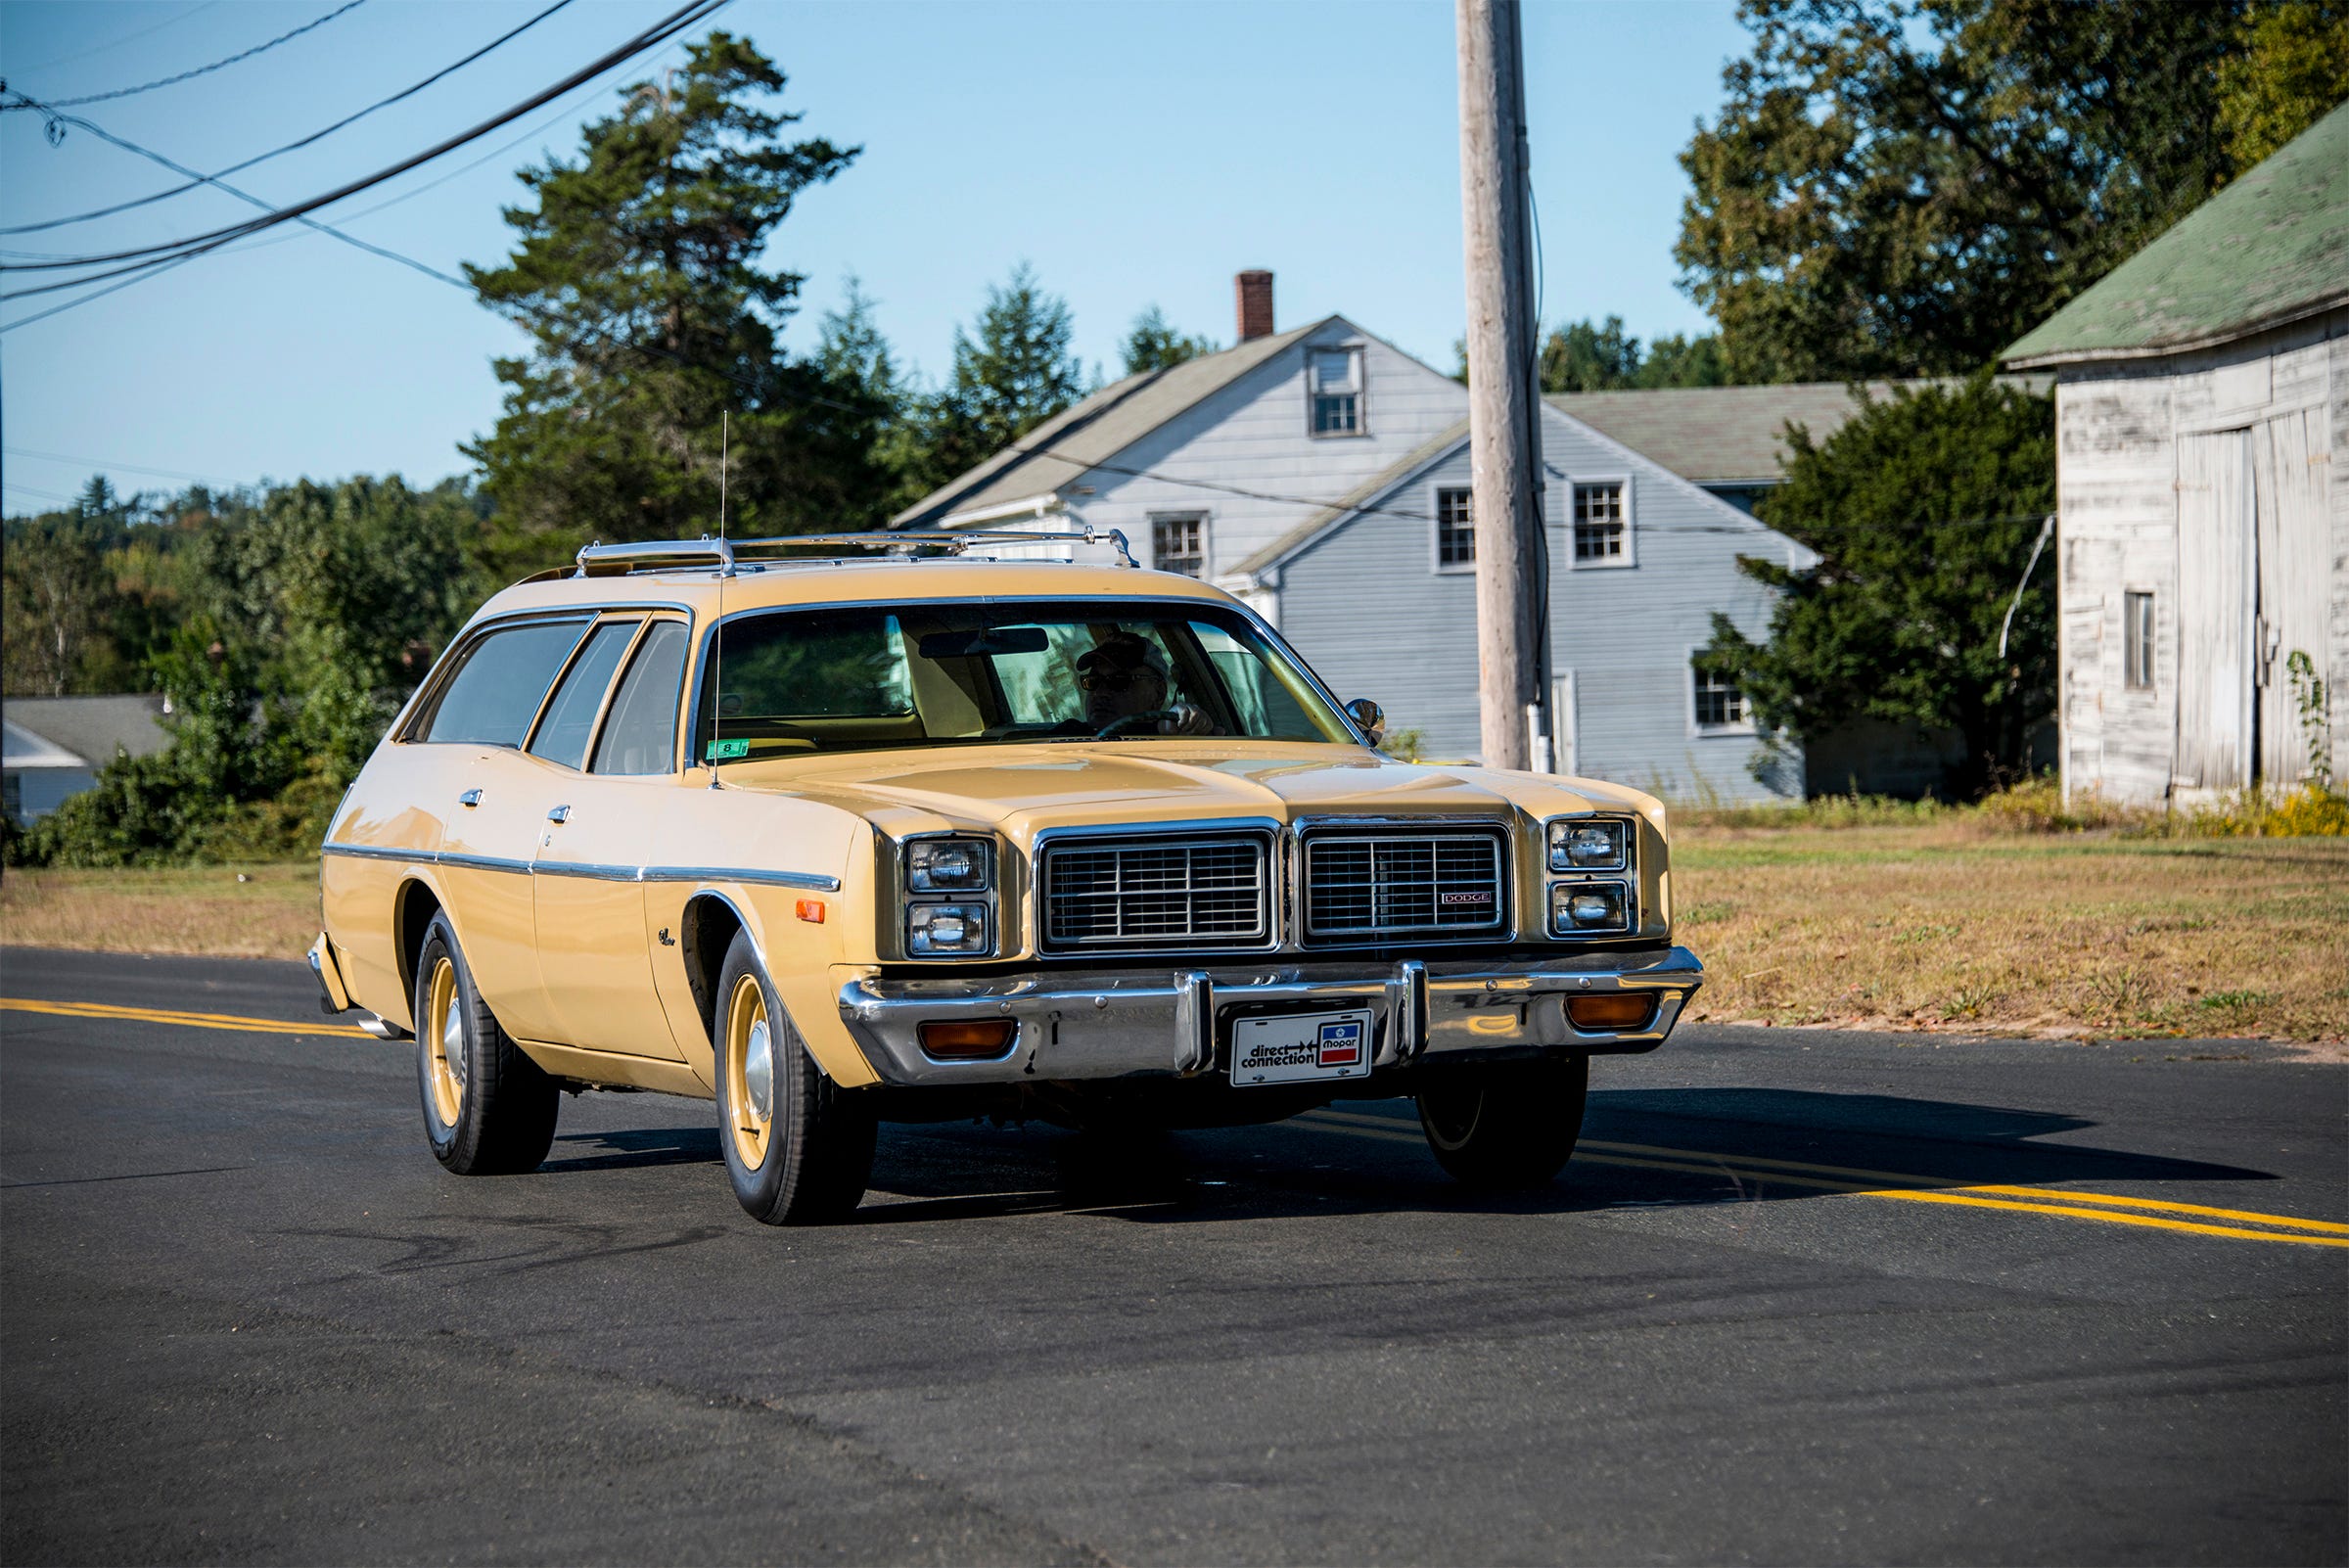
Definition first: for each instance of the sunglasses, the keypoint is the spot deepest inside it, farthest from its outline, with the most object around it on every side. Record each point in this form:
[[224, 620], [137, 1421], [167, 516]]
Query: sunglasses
[[1116, 680]]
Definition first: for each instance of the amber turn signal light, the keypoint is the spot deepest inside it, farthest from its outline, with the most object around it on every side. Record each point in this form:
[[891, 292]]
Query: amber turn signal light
[[967, 1042], [811, 910], [1610, 1009]]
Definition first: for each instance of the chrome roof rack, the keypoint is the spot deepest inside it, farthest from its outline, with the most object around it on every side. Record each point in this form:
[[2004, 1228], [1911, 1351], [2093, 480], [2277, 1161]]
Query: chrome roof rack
[[653, 555]]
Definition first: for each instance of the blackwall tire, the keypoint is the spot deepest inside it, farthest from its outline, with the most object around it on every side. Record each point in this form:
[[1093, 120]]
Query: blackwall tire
[[1507, 1127], [798, 1149], [489, 1110]]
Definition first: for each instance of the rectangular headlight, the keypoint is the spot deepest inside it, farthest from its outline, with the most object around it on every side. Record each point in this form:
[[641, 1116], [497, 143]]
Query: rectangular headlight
[[947, 930], [1590, 908], [1587, 845], [949, 865]]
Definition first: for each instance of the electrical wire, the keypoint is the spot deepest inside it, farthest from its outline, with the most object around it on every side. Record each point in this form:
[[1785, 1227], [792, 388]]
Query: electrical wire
[[107, 462], [200, 71], [128, 38], [316, 135], [660, 32]]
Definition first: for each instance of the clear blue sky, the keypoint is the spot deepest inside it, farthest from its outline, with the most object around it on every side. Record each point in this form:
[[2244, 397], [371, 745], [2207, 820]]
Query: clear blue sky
[[1134, 152]]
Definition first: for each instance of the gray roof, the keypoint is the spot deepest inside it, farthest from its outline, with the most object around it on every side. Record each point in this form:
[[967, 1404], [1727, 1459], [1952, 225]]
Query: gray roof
[[2269, 249], [1065, 448], [93, 728], [1718, 434]]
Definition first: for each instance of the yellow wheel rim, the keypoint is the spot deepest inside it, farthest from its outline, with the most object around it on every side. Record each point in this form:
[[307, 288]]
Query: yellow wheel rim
[[750, 1073], [442, 1027]]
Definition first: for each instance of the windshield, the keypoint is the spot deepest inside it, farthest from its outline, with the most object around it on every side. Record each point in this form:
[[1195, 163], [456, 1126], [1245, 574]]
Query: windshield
[[791, 681]]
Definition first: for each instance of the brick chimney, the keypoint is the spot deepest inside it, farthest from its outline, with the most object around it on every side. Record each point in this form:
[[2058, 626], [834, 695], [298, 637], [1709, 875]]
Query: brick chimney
[[1255, 289]]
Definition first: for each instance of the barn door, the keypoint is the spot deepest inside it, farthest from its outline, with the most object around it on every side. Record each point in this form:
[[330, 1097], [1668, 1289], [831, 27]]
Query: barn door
[[2294, 579], [2216, 610]]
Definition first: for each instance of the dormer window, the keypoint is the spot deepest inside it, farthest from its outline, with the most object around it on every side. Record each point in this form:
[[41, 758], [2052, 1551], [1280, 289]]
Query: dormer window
[[1334, 388]]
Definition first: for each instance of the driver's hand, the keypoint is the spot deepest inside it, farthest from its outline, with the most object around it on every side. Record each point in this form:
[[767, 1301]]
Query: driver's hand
[[1184, 719]]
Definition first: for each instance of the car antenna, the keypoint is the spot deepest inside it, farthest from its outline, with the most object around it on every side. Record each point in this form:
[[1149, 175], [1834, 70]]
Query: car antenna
[[725, 569]]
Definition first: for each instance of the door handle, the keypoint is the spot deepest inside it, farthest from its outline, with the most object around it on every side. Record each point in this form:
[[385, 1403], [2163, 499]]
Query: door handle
[[560, 813], [470, 798]]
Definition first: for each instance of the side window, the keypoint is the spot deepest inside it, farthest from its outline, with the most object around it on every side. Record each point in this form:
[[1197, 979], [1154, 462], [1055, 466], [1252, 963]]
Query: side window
[[495, 692], [563, 734], [641, 735], [1335, 388]]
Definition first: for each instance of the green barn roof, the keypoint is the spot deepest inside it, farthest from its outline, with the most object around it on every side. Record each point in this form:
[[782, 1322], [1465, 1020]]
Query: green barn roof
[[2270, 249]]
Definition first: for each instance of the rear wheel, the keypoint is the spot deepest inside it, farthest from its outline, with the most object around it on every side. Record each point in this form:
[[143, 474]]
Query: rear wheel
[[489, 1110], [799, 1148], [1509, 1124]]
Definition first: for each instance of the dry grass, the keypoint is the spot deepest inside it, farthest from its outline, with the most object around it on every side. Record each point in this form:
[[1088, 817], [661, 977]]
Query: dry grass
[[272, 913], [1938, 921], [1946, 924]]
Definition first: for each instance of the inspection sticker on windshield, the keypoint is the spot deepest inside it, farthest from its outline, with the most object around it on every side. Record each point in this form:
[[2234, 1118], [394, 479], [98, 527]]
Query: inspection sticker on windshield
[[1296, 1048]]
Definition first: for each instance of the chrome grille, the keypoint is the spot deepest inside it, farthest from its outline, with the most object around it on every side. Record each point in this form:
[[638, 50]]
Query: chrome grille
[[1156, 893], [1377, 885]]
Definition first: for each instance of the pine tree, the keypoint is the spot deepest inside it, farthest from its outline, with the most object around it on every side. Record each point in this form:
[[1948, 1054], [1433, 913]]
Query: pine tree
[[1153, 344]]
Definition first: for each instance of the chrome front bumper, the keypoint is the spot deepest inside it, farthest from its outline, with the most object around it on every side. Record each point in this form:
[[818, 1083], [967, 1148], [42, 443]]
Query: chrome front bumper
[[1172, 1024]]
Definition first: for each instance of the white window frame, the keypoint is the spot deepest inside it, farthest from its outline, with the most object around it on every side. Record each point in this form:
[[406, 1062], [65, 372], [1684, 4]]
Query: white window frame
[[1701, 731], [1207, 528], [1435, 532], [1361, 390], [1630, 526]]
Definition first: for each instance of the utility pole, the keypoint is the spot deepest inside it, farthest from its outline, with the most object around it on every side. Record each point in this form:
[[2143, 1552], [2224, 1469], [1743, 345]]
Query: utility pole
[[1504, 456]]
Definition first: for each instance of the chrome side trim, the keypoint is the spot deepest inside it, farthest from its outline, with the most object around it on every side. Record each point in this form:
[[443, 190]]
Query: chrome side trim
[[483, 862], [811, 881], [371, 851]]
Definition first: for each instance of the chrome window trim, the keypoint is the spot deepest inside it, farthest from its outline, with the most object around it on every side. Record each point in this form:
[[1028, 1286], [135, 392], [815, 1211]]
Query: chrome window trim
[[811, 881], [405, 720], [1275, 880], [1225, 603]]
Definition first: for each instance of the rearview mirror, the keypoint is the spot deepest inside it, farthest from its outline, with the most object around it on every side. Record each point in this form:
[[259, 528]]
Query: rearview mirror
[[972, 641], [1369, 718]]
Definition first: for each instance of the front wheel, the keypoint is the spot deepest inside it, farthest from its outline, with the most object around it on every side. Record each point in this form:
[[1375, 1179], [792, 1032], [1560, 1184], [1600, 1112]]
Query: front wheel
[[799, 1148], [1509, 1124], [489, 1110]]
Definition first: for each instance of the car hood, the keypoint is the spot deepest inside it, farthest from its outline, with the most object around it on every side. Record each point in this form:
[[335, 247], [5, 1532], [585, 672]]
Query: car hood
[[1021, 790]]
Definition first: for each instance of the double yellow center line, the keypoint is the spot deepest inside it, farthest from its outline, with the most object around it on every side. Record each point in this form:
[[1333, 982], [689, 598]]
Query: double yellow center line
[[2240, 1224], [165, 1015]]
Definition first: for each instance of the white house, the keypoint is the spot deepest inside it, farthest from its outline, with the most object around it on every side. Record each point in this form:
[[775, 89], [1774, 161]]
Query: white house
[[51, 747], [2202, 423], [1323, 475]]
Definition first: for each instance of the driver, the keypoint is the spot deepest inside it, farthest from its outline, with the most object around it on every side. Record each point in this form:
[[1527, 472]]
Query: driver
[[1124, 677]]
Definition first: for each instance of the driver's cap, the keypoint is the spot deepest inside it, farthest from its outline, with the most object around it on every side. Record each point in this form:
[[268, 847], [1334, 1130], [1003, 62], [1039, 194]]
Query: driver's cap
[[1125, 653]]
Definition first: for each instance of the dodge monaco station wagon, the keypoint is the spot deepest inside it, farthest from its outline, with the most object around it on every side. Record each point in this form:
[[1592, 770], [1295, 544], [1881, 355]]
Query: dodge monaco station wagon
[[928, 828]]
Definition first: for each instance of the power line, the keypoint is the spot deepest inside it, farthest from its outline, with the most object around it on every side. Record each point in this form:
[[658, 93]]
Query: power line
[[275, 152], [675, 22], [107, 462], [200, 71], [128, 38]]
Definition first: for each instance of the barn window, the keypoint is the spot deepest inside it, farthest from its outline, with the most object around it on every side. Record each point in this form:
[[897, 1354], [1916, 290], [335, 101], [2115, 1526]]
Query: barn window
[[1719, 704], [2137, 640], [1599, 525], [1334, 378], [1455, 530], [1179, 543]]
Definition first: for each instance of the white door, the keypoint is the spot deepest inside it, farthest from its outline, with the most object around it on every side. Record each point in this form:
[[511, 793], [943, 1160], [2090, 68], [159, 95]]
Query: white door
[[2294, 582], [2217, 577]]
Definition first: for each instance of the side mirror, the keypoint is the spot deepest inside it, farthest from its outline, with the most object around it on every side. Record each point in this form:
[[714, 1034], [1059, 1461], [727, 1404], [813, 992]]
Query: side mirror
[[1369, 718]]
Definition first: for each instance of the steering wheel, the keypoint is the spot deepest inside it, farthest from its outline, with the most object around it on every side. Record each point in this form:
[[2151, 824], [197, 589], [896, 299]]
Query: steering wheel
[[1134, 722]]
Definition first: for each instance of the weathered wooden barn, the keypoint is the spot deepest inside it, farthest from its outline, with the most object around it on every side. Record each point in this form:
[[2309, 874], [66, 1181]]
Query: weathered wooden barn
[[2203, 421]]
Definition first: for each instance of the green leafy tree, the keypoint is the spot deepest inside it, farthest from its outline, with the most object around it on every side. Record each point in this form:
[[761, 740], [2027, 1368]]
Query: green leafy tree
[[1152, 343], [1897, 187], [2290, 68], [57, 600], [637, 279], [1589, 357], [1011, 373], [1923, 510], [1684, 361]]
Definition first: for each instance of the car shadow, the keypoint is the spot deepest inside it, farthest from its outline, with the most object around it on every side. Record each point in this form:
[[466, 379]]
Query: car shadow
[[632, 1149], [1643, 1148]]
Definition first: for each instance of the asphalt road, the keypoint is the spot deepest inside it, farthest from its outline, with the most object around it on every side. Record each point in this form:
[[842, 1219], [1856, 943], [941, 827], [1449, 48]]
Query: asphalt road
[[1770, 1316]]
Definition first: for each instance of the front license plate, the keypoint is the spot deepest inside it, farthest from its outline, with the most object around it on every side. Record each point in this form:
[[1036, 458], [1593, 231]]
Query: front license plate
[[1296, 1048]]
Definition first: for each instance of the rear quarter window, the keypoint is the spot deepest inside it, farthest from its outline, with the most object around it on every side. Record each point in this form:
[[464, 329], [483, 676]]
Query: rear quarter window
[[499, 682]]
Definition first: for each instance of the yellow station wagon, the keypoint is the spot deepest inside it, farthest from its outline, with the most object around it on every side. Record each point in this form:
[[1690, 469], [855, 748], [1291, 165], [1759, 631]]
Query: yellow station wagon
[[927, 828]]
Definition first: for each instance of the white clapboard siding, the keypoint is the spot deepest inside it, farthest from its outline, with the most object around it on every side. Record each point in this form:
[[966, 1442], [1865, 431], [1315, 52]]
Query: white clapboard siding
[[2214, 481], [1370, 608]]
